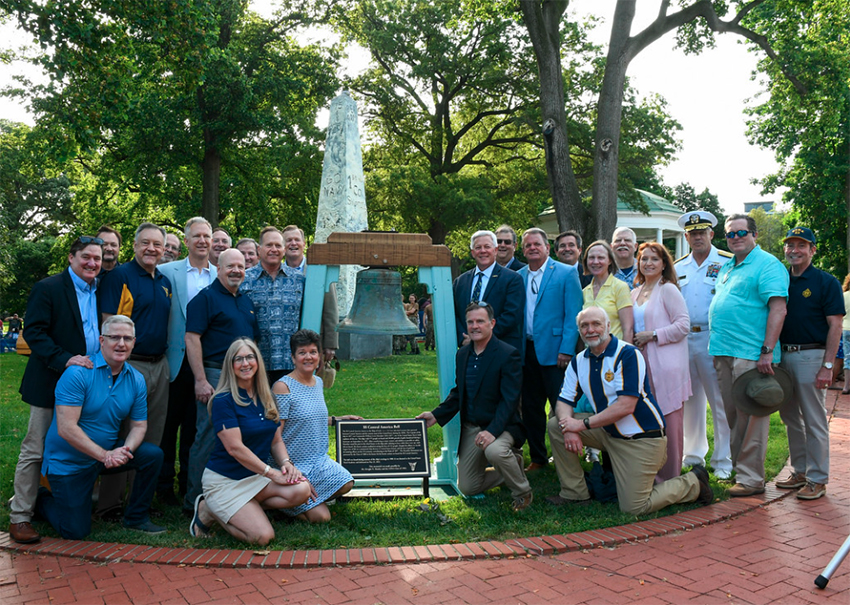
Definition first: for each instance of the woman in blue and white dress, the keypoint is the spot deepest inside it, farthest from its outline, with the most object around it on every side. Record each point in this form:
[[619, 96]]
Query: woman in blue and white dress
[[304, 416]]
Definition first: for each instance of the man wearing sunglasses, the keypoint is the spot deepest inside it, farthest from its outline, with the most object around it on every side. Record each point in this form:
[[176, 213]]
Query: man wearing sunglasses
[[745, 319], [62, 331], [505, 248]]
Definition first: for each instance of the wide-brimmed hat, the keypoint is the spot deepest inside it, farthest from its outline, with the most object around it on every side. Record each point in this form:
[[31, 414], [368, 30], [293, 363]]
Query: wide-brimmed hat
[[760, 394]]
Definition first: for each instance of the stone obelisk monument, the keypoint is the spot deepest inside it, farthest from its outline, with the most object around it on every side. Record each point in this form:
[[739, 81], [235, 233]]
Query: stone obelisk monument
[[342, 199]]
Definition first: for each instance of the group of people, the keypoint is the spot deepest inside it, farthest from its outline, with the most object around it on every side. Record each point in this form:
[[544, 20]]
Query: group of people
[[126, 356], [627, 351]]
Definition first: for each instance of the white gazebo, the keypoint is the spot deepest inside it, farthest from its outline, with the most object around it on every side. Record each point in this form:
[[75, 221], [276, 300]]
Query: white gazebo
[[659, 225]]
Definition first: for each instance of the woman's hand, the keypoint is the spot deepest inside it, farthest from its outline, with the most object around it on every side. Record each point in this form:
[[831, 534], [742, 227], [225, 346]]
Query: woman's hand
[[290, 473], [642, 338], [349, 417]]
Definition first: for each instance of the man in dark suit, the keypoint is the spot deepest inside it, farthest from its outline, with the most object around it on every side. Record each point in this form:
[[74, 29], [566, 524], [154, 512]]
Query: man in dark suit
[[553, 299], [505, 248], [486, 394], [62, 330], [500, 288]]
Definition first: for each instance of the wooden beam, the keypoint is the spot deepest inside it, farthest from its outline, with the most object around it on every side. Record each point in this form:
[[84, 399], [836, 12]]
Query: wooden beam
[[379, 249]]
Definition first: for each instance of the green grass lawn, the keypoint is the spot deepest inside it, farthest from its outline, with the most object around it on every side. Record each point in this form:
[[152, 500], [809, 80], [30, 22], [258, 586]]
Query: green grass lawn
[[392, 387]]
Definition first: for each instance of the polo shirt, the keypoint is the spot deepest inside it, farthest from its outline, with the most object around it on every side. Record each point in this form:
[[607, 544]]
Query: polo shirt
[[87, 300], [105, 404], [220, 318], [812, 297], [130, 290], [619, 370], [613, 296], [277, 303], [257, 433], [737, 317]]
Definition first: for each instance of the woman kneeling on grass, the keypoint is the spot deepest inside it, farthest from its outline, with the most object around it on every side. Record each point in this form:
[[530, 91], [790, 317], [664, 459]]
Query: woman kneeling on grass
[[238, 484], [305, 421]]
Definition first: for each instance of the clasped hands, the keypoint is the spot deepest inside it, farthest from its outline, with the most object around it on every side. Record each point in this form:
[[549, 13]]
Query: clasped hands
[[117, 457], [570, 429]]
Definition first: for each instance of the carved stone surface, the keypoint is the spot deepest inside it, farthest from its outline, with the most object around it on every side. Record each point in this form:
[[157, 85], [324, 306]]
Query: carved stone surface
[[342, 199]]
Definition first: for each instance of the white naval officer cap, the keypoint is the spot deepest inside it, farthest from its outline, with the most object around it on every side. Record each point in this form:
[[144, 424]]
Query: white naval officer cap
[[698, 219]]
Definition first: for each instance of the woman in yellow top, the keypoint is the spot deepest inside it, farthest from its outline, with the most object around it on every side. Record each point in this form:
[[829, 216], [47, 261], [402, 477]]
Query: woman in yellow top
[[606, 291]]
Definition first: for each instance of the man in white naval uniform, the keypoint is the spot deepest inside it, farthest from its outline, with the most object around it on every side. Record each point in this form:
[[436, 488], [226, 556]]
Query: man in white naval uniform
[[697, 274]]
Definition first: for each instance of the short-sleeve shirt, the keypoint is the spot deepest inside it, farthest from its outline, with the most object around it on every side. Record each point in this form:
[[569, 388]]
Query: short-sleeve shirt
[[105, 404], [613, 296], [812, 297], [278, 306], [619, 370], [697, 283], [220, 318], [257, 433], [130, 290], [738, 313]]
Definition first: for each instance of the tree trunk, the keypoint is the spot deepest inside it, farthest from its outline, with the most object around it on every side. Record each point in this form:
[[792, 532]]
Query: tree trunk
[[542, 19], [211, 167]]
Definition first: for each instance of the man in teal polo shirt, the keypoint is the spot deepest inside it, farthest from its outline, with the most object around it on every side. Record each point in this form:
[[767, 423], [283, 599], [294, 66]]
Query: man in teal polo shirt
[[745, 319]]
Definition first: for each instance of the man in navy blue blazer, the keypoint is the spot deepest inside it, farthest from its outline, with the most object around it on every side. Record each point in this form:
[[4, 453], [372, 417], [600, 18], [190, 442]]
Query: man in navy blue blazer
[[553, 299], [489, 282]]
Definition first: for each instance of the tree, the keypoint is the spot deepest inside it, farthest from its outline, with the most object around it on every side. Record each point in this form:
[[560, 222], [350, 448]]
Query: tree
[[771, 231], [685, 197]]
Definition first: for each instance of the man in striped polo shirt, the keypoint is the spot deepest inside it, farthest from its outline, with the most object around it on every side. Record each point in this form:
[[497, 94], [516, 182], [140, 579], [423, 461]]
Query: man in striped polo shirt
[[627, 424]]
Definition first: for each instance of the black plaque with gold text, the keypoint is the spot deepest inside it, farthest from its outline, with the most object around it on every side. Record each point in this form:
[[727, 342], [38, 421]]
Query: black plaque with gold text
[[383, 449]]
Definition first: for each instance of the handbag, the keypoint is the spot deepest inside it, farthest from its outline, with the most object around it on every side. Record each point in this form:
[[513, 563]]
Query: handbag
[[327, 372]]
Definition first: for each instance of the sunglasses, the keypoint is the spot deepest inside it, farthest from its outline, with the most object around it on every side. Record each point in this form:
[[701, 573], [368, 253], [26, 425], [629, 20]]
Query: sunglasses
[[738, 233], [506, 242], [88, 239]]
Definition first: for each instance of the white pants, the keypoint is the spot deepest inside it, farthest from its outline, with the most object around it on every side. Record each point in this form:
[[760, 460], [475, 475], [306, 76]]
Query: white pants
[[704, 385]]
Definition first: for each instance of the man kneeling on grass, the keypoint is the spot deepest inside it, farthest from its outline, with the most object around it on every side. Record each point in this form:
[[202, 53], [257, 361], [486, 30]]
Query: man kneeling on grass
[[489, 378], [627, 424], [83, 440]]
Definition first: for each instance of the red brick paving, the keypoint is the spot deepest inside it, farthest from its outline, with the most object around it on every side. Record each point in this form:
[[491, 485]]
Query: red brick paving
[[751, 550]]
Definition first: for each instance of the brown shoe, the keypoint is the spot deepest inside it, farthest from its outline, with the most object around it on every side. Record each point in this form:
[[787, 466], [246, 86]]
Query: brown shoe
[[535, 466], [706, 495], [23, 533], [522, 502], [739, 490], [557, 500], [795, 481], [812, 491]]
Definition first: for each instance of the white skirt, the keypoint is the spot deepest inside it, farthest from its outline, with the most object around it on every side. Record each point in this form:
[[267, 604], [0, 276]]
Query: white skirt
[[225, 496]]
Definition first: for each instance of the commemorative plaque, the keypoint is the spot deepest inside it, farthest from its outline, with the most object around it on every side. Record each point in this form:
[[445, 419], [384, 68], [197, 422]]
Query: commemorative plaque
[[383, 449]]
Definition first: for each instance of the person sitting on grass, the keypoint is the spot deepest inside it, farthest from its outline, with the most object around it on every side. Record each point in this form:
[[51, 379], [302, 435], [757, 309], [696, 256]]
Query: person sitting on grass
[[304, 418], [238, 484]]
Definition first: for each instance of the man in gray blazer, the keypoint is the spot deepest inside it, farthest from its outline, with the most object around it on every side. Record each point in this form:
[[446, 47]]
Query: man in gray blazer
[[188, 277]]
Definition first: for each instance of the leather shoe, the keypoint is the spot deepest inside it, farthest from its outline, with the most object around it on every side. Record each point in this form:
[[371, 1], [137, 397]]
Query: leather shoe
[[795, 481], [706, 495], [812, 491], [23, 533], [739, 490], [535, 466], [522, 502], [557, 500]]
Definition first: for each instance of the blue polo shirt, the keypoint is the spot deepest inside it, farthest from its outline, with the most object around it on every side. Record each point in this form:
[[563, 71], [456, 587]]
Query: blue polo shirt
[[105, 404], [257, 433], [130, 290], [737, 317], [812, 297], [220, 318], [619, 370]]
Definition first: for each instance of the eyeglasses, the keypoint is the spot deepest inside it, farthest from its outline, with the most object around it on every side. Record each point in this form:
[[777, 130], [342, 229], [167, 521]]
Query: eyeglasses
[[738, 233], [115, 339], [88, 239], [240, 359], [506, 242]]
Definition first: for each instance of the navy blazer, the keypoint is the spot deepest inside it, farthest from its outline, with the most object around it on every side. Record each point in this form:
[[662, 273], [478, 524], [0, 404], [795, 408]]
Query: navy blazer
[[495, 394], [505, 293], [54, 332], [515, 264]]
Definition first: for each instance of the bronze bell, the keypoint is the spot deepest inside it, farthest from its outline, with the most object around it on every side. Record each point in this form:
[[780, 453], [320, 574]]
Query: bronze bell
[[377, 306]]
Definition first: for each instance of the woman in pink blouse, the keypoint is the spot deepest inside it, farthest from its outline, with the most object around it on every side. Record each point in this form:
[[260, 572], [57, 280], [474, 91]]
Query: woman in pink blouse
[[661, 330]]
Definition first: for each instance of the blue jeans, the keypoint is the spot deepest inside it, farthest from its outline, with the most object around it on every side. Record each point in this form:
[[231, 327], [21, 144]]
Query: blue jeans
[[67, 506], [201, 448], [845, 347]]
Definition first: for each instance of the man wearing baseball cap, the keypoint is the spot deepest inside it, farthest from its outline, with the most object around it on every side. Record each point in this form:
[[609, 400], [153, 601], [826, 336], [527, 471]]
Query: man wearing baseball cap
[[697, 273], [809, 340]]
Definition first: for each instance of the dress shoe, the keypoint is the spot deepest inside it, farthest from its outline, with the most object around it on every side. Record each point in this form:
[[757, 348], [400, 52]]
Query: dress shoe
[[812, 491], [23, 533], [706, 495], [522, 502], [795, 481], [739, 490], [535, 466], [557, 500]]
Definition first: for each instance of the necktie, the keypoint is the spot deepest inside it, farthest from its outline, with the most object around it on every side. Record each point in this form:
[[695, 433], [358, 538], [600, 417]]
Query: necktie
[[476, 291]]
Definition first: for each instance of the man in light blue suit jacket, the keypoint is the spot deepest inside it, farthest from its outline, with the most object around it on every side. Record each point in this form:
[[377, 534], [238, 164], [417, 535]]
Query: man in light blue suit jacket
[[188, 277], [553, 300]]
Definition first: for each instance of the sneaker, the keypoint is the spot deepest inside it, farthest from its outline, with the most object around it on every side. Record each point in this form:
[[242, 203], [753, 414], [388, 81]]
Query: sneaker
[[521, 502], [812, 491], [795, 481], [706, 495], [147, 527], [739, 490], [722, 474]]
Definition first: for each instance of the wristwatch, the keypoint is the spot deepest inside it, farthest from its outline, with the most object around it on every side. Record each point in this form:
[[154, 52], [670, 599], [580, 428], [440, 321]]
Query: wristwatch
[[827, 365], [765, 350], [586, 422]]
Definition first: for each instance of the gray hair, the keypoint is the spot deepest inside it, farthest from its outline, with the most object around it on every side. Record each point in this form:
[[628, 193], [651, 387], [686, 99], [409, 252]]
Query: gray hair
[[192, 221], [145, 226], [537, 231], [585, 311], [117, 319], [247, 240], [482, 233], [626, 229]]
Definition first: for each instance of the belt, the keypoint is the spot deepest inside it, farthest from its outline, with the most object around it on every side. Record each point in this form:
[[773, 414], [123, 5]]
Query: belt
[[647, 435], [808, 347], [213, 365], [699, 328], [146, 358]]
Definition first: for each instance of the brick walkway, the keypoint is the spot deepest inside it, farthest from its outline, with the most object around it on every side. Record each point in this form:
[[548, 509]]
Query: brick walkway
[[770, 554]]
